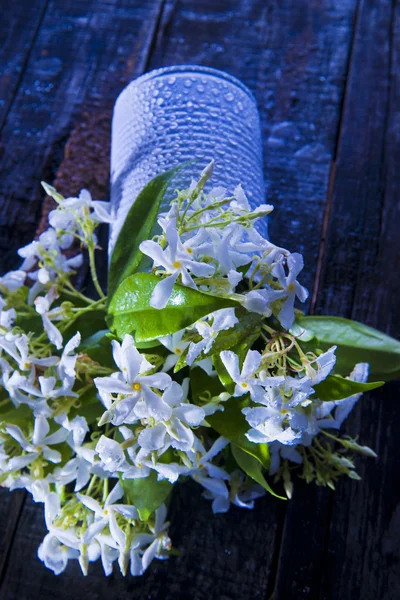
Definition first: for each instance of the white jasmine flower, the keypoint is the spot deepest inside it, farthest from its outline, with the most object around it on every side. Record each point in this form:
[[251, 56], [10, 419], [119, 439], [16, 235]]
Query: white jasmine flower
[[55, 553], [342, 408], [39, 488], [47, 252], [176, 346], [246, 381], [66, 366], [243, 498], [221, 320], [157, 542], [176, 261], [224, 247], [178, 419], [241, 203], [111, 454], [267, 423], [42, 305], [105, 515], [257, 301], [77, 427], [208, 475], [17, 347], [319, 369], [7, 317], [131, 385], [280, 452], [108, 551], [290, 288], [102, 211], [13, 280], [38, 446]]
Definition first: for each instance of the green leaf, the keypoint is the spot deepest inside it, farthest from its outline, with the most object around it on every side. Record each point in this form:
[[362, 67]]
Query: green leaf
[[201, 383], [21, 415], [98, 348], [232, 424], [87, 324], [89, 407], [146, 494], [130, 310], [336, 387], [356, 343], [30, 323], [137, 228], [223, 374], [252, 468]]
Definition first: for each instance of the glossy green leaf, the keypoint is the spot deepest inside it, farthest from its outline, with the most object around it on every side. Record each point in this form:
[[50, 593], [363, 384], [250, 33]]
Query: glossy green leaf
[[130, 310], [223, 374], [232, 424], [355, 343], [146, 494], [336, 387], [252, 468], [98, 347], [137, 227]]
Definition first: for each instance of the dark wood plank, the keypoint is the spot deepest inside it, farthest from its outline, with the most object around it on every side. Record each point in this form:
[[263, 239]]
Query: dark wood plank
[[67, 80], [293, 55], [18, 28], [359, 523], [84, 54], [215, 561], [364, 544]]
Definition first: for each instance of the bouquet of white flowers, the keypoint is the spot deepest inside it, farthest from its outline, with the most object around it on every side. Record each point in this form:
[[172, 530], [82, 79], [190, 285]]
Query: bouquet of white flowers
[[196, 365]]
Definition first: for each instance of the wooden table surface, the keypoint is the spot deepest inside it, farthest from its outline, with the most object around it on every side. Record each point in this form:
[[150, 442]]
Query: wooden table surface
[[326, 76]]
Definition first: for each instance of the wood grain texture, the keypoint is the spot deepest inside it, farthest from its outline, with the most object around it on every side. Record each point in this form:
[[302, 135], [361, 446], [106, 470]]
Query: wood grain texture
[[84, 54], [355, 531], [295, 56], [18, 29], [66, 81]]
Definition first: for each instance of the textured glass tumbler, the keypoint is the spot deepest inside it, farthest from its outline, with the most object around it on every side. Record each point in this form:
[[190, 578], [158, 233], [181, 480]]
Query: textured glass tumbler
[[180, 113]]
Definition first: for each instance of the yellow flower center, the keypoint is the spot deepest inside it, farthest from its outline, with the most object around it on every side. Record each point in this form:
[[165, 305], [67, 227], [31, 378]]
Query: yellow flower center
[[177, 265], [189, 250], [291, 287], [244, 386], [137, 387]]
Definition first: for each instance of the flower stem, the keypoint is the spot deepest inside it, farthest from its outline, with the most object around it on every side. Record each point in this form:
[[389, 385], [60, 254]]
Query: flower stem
[[93, 271]]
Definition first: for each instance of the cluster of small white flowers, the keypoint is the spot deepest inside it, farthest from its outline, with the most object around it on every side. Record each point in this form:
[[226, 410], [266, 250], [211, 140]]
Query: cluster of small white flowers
[[209, 243], [78, 434]]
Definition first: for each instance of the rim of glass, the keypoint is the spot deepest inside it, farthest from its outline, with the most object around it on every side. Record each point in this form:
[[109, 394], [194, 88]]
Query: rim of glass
[[196, 69]]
